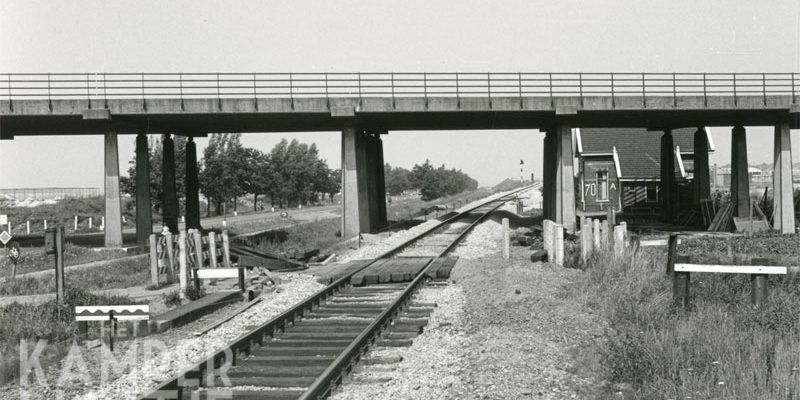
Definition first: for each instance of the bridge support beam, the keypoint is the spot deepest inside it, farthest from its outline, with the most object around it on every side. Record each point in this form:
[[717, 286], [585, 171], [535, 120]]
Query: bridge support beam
[[355, 198], [565, 178], [548, 176], [375, 181], [112, 231], [783, 215], [144, 214], [740, 178], [701, 184], [192, 186], [169, 196], [667, 179]]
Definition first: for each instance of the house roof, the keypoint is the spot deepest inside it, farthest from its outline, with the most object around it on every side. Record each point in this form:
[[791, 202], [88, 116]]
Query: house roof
[[639, 150]]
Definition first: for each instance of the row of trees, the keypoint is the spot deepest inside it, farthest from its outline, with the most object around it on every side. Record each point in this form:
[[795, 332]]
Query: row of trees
[[291, 173], [431, 182]]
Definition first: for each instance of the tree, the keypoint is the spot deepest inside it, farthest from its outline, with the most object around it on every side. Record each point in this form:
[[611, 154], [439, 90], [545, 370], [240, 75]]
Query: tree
[[398, 180], [155, 152], [220, 175]]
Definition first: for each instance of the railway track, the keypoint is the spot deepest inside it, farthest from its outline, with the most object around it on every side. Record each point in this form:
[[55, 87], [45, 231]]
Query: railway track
[[306, 351]]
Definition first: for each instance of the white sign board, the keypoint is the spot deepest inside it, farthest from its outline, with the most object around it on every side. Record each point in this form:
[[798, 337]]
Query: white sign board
[[217, 273], [121, 313], [3, 219]]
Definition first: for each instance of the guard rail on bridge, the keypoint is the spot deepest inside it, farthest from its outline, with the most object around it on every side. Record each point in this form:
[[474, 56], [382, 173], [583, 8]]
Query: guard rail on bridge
[[105, 86]]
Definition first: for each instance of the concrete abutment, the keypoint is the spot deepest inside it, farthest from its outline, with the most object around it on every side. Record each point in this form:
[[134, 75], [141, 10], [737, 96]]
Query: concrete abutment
[[112, 231]]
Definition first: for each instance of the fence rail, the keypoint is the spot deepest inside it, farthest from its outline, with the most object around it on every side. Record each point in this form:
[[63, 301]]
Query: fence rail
[[105, 86]]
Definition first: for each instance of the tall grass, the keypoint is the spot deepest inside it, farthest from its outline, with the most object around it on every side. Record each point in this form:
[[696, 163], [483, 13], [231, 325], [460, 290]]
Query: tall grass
[[115, 274], [722, 348]]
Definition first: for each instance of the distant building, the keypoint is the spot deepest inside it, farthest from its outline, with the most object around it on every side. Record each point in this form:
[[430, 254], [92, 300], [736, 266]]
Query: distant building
[[620, 168]]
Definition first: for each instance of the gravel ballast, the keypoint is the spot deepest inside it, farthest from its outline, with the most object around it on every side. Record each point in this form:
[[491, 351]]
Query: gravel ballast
[[502, 330], [169, 353]]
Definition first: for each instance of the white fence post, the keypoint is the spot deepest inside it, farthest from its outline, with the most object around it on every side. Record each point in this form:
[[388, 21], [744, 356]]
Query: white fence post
[[559, 244], [27, 227], [505, 239], [182, 263], [619, 239]]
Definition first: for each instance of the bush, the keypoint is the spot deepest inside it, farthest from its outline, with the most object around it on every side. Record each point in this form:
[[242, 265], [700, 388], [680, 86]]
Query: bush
[[192, 293], [172, 298]]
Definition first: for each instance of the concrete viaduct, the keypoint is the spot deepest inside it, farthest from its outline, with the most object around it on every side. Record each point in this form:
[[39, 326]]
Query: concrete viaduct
[[363, 106]]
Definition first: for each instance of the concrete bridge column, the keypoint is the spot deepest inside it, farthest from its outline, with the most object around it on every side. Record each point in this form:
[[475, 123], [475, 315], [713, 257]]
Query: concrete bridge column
[[378, 194], [548, 170], [701, 184], [169, 196], [355, 191], [783, 215], [667, 179], [565, 178], [192, 186], [112, 230], [144, 216], [740, 178]]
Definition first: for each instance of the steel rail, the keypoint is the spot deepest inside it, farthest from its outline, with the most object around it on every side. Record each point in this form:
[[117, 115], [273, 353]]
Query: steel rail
[[173, 387], [327, 381]]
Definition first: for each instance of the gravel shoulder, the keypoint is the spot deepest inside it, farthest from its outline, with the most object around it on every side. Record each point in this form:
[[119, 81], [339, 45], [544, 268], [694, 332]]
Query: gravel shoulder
[[502, 330]]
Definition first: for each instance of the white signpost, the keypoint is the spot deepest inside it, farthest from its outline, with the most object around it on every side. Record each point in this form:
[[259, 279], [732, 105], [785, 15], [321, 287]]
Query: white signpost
[[3, 219]]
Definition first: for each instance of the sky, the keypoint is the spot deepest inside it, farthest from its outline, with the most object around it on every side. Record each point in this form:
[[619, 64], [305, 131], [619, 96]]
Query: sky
[[382, 36]]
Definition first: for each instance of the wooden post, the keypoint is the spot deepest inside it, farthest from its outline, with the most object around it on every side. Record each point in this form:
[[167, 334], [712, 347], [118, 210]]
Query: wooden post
[[153, 260], [611, 216], [90, 223], [505, 239], [241, 279], [76, 223], [226, 250], [680, 289], [596, 231], [759, 289], [60, 264], [45, 224], [212, 249], [586, 241], [182, 263], [559, 244], [619, 240], [672, 252], [27, 227], [170, 252], [605, 234], [624, 226]]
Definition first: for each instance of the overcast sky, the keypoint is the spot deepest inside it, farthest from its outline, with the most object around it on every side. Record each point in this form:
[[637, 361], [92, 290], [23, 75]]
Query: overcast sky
[[404, 36]]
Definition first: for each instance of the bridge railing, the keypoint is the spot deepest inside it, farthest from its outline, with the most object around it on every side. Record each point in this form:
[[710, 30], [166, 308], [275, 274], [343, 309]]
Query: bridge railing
[[105, 86]]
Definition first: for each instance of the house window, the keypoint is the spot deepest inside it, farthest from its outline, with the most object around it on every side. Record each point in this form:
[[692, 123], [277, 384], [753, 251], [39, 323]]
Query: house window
[[602, 185], [652, 193]]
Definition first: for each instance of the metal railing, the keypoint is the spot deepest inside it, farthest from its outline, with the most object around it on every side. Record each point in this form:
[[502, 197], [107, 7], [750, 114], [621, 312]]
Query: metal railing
[[105, 86]]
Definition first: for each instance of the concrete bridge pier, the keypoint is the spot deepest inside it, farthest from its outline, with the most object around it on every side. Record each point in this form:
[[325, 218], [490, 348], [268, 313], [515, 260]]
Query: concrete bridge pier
[[566, 178], [375, 181], [666, 193], [783, 201], [144, 216], [363, 190], [112, 231], [701, 185], [548, 176], [192, 186], [740, 179], [169, 197]]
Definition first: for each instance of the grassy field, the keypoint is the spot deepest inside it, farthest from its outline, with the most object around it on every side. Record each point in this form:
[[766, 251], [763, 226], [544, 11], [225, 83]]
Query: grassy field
[[122, 274], [34, 259], [44, 321], [63, 212], [722, 348]]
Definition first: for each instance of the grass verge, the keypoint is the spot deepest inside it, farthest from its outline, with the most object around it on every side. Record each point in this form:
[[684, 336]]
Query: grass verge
[[120, 274], [722, 348], [47, 321]]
